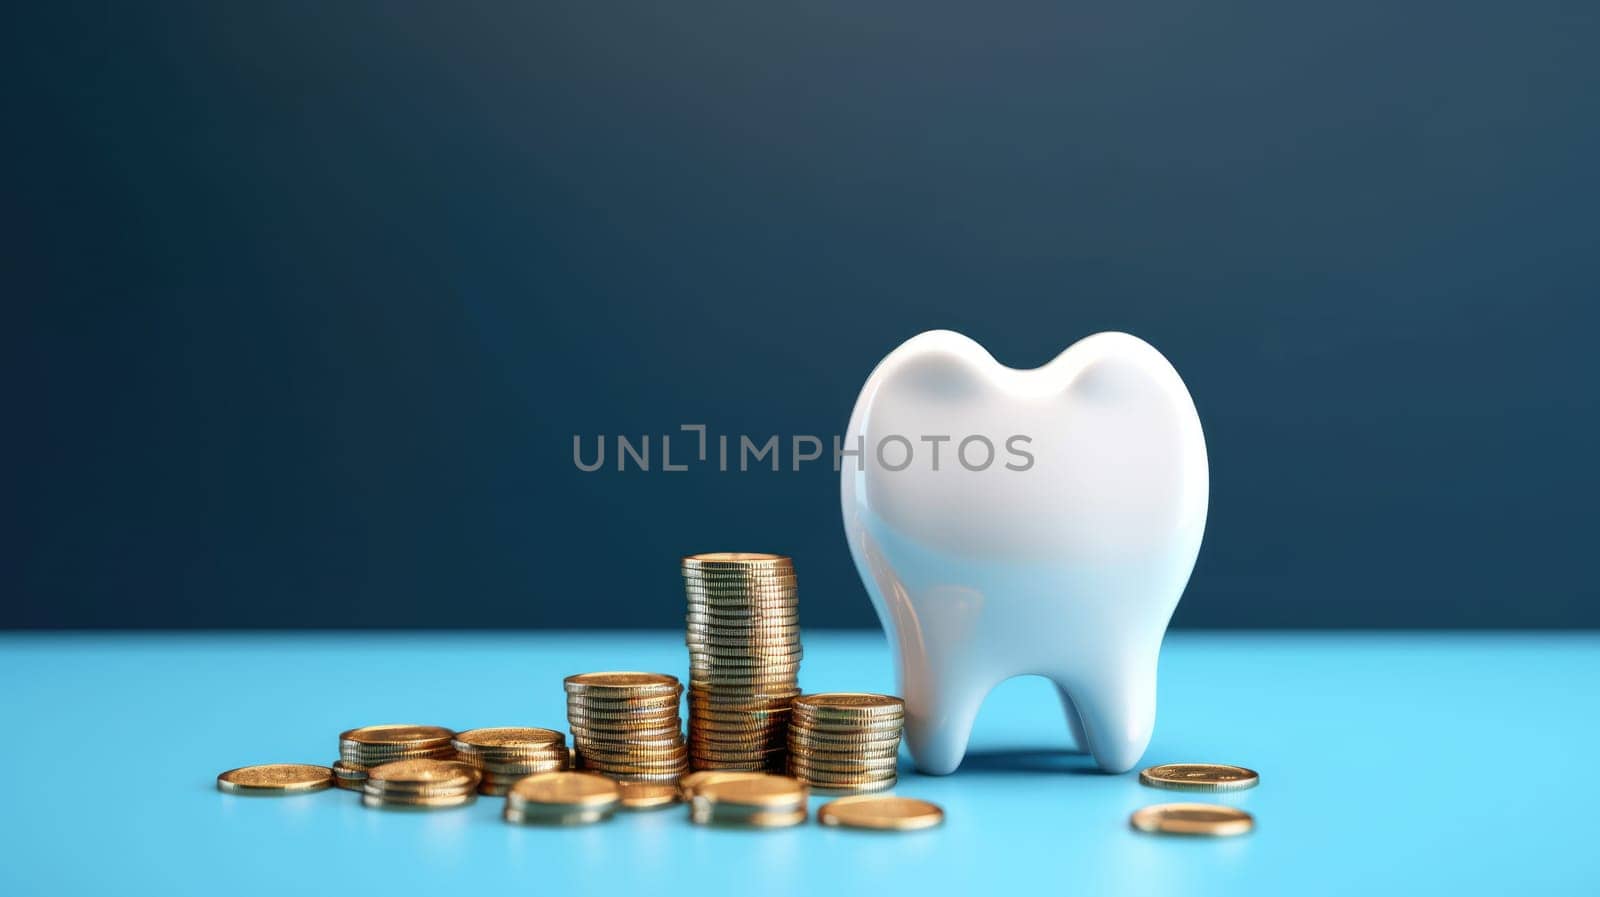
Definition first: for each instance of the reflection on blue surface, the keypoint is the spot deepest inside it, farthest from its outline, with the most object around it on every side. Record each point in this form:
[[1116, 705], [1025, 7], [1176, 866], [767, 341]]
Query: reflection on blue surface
[[1383, 762]]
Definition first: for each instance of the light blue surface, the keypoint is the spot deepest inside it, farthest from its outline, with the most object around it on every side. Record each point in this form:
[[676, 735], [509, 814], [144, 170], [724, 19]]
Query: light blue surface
[[1394, 764]]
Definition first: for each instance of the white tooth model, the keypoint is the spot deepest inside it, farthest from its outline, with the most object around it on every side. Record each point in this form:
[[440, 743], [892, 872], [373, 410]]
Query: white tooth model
[[1063, 556]]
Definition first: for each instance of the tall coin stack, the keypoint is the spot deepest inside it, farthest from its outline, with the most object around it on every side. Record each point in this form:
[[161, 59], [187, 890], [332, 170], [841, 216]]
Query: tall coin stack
[[369, 746], [505, 754], [846, 741], [626, 725], [743, 632]]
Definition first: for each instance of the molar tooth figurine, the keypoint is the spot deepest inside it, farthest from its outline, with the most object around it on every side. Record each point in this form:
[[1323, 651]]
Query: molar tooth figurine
[[1063, 557]]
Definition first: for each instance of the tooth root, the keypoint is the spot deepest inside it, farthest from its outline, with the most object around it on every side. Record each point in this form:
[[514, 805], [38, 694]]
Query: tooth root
[[1080, 743], [940, 710], [1117, 709]]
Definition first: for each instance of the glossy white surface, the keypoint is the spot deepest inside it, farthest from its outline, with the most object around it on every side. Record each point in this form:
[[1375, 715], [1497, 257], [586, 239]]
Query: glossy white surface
[[1069, 569]]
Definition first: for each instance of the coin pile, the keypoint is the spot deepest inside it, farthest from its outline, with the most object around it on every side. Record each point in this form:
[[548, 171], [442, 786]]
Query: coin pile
[[743, 633], [626, 725], [505, 754], [562, 798], [366, 747], [420, 784], [845, 741], [755, 800]]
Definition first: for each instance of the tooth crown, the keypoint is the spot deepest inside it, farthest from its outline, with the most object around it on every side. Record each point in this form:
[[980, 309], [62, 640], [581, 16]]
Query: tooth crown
[[1067, 564]]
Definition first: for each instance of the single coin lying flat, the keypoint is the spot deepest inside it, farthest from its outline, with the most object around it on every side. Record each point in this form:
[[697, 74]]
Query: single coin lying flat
[[882, 813], [275, 779], [1199, 777], [1193, 819]]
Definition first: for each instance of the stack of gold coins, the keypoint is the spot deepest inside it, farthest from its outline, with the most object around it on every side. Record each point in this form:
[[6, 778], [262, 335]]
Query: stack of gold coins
[[845, 741], [562, 798], [743, 634], [505, 754], [763, 801], [626, 725], [420, 784], [366, 747]]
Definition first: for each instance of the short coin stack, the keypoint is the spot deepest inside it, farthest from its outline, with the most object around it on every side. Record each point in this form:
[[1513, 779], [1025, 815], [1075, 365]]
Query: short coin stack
[[626, 725], [420, 784], [755, 800], [505, 754], [366, 747], [845, 742], [743, 632], [562, 798]]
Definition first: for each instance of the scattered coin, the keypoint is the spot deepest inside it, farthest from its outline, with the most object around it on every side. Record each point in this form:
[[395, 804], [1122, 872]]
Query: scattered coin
[[275, 779], [562, 798], [1193, 819], [1199, 777], [886, 813]]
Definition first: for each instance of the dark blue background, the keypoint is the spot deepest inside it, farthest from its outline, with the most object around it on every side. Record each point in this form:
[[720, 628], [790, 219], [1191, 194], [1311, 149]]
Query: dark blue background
[[305, 301]]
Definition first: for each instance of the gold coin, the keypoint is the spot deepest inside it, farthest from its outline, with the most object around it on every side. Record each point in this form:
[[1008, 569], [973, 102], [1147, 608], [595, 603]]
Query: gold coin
[[810, 765], [667, 778], [886, 813], [641, 715], [766, 819], [421, 802], [548, 816], [655, 716], [567, 789], [771, 592], [703, 699], [621, 682], [624, 713], [753, 791], [344, 770], [583, 737], [365, 759], [846, 789], [275, 779], [688, 784], [631, 757], [399, 735], [1193, 819], [518, 770], [801, 741], [617, 768], [832, 704], [647, 795], [735, 559], [824, 779], [883, 758], [422, 775], [499, 739], [1199, 777]]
